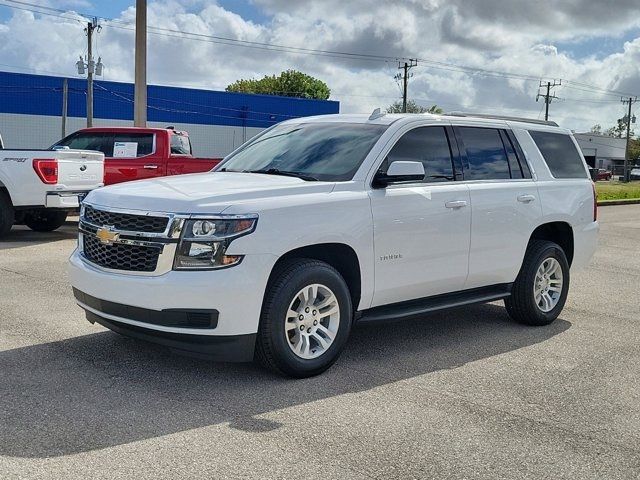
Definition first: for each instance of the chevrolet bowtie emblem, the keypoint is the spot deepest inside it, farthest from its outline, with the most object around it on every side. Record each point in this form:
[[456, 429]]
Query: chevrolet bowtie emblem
[[107, 235]]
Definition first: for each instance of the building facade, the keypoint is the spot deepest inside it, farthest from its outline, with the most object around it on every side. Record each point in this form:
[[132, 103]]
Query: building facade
[[601, 151], [31, 111]]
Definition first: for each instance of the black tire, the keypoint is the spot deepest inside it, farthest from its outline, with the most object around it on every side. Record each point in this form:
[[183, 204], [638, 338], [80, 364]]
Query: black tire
[[7, 214], [521, 305], [272, 345], [45, 220]]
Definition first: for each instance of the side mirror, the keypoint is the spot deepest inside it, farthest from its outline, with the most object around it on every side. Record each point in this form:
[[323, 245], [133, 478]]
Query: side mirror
[[400, 172]]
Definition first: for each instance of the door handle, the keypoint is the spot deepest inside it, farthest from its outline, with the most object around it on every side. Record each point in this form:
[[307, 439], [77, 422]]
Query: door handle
[[456, 204], [526, 198], [151, 167]]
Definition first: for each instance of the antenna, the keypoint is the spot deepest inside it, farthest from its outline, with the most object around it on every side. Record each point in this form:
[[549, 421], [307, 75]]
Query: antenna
[[376, 114]]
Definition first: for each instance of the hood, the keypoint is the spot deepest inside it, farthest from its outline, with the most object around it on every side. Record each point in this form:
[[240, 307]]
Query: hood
[[210, 192]]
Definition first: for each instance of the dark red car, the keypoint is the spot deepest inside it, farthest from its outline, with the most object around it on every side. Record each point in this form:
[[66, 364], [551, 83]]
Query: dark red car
[[133, 153], [603, 174]]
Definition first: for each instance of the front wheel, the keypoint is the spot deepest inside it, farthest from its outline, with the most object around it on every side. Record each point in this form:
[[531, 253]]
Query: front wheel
[[540, 290], [45, 221], [306, 319]]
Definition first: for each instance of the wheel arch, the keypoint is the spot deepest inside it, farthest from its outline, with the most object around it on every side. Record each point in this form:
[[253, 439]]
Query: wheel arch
[[340, 256], [558, 232]]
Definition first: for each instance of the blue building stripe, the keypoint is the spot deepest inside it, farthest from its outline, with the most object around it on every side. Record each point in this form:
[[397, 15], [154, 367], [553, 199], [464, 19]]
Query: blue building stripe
[[42, 95]]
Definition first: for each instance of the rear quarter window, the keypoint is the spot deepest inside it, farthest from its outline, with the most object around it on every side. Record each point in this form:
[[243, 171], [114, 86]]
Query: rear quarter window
[[560, 154], [180, 145]]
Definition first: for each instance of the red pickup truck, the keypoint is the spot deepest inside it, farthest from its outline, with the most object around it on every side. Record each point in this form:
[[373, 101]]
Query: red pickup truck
[[133, 153]]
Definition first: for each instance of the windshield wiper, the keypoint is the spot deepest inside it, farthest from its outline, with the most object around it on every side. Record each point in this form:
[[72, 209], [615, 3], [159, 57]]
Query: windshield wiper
[[275, 171]]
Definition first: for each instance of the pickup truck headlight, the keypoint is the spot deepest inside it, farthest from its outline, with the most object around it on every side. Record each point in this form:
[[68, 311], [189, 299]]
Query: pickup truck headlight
[[204, 241]]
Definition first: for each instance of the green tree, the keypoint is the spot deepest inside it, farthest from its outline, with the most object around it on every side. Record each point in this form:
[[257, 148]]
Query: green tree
[[634, 150], [413, 107], [620, 130], [597, 129], [289, 83]]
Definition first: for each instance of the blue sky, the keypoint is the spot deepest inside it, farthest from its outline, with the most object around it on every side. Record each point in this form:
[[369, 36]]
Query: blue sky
[[598, 46], [113, 8]]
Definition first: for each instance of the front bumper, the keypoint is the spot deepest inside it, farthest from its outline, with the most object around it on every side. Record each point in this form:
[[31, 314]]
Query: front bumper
[[137, 301], [230, 348]]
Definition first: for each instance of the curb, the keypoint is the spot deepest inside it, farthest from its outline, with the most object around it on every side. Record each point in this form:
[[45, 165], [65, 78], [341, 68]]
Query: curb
[[625, 201]]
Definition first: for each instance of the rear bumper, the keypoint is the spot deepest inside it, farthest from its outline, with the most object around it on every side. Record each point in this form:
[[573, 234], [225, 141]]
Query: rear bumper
[[585, 242], [64, 200], [227, 348]]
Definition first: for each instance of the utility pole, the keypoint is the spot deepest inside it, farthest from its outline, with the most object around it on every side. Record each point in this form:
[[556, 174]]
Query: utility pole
[[630, 101], [65, 102], [91, 26], [547, 97], [140, 94], [406, 66]]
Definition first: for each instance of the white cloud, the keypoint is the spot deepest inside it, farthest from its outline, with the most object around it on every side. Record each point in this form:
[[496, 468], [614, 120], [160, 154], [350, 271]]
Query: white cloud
[[516, 36]]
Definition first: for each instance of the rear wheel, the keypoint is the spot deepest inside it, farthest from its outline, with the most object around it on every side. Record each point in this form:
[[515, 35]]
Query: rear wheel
[[540, 291], [45, 220], [7, 214], [306, 319]]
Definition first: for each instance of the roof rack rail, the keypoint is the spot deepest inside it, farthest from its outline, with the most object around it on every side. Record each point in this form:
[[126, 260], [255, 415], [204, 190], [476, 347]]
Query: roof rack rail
[[502, 117]]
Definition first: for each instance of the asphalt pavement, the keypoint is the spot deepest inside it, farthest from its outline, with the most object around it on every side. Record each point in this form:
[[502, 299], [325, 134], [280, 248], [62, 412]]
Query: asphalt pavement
[[460, 394]]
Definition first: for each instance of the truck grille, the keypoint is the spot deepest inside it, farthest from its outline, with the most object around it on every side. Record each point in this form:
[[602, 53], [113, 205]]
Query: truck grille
[[125, 221], [135, 258]]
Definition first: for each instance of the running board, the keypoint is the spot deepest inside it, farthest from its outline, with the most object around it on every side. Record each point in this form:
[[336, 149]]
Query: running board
[[420, 306]]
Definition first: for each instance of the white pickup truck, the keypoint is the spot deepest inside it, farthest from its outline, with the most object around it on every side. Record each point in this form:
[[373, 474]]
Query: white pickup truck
[[38, 188], [320, 222]]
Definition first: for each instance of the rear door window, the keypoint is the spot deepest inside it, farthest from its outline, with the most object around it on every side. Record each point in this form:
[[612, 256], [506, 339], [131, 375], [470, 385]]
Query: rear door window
[[486, 155], [428, 145], [130, 145], [560, 154]]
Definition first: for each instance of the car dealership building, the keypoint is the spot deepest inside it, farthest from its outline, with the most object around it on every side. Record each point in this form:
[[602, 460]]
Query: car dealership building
[[31, 111]]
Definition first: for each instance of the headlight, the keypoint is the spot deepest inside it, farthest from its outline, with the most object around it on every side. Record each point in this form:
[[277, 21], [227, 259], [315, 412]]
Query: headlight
[[204, 241]]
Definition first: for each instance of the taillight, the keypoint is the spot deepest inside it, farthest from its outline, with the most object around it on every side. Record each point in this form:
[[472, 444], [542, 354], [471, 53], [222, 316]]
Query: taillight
[[47, 170], [595, 202]]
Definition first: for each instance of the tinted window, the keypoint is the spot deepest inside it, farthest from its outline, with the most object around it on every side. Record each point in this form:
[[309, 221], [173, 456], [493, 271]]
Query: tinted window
[[428, 145], [330, 151], [141, 143], [486, 156], [510, 141], [560, 153], [514, 166], [89, 141], [180, 145]]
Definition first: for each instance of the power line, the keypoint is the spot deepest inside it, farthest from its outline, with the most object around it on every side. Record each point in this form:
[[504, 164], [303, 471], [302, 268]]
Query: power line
[[176, 33]]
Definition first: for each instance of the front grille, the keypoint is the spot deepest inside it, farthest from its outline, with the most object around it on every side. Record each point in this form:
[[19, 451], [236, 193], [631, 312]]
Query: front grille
[[133, 258], [125, 221]]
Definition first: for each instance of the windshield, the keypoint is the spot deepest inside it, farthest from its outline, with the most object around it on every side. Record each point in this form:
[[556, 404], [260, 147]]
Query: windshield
[[322, 151]]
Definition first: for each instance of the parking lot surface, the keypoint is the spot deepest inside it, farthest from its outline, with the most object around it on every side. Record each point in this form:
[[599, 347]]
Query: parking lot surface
[[461, 394]]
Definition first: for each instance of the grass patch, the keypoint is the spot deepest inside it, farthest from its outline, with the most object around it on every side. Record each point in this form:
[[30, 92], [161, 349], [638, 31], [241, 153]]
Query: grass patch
[[617, 190]]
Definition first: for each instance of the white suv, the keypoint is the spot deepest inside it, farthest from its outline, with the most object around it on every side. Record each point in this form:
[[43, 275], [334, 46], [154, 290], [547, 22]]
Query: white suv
[[321, 222]]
